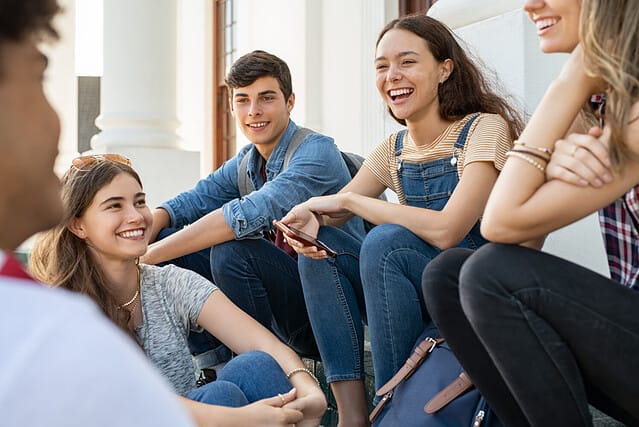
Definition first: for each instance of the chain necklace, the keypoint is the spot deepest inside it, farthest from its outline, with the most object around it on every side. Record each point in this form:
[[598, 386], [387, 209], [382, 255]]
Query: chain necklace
[[135, 297]]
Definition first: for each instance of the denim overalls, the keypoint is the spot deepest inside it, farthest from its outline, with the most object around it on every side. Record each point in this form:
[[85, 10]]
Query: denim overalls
[[378, 281], [430, 184]]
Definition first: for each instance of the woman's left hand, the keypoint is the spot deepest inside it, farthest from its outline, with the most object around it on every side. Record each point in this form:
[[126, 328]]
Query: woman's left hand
[[581, 159], [312, 404]]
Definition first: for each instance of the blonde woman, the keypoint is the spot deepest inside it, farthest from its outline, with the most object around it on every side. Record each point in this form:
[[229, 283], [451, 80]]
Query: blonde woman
[[542, 337]]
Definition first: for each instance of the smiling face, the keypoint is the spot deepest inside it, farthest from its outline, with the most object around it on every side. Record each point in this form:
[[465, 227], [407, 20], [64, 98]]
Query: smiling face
[[262, 112], [29, 132], [116, 224], [408, 75], [557, 23]]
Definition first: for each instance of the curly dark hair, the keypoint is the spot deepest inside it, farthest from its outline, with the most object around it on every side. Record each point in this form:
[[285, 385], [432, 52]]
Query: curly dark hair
[[256, 64], [466, 90], [20, 18]]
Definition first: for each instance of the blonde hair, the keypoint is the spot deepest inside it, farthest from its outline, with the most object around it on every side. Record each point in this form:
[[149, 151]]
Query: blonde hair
[[609, 34]]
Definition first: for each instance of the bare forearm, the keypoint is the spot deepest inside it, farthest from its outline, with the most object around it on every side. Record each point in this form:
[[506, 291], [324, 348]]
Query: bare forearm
[[161, 219], [434, 227], [208, 231]]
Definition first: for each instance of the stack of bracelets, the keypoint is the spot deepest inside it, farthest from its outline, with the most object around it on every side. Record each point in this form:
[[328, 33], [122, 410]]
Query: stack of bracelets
[[531, 154]]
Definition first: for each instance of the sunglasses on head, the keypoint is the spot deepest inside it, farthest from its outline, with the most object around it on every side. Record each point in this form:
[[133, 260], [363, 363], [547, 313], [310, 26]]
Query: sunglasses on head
[[84, 163]]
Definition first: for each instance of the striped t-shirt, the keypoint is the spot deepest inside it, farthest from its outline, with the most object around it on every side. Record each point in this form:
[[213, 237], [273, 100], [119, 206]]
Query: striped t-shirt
[[489, 141]]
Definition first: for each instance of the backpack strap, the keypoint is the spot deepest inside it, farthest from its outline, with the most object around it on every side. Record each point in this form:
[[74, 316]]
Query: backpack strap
[[420, 353], [298, 137], [244, 183], [451, 392]]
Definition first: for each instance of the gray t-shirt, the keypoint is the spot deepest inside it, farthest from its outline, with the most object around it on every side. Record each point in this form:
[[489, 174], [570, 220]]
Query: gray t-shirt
[[172, 298]]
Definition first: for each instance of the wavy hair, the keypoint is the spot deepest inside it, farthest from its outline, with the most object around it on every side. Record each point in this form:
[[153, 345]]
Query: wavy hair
[[62, 259], [609, 34], [466, 90]]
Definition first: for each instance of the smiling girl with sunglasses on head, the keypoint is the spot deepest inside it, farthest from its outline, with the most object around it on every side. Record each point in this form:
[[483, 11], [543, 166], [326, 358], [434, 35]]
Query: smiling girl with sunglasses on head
[[95, 251], [541, 337]]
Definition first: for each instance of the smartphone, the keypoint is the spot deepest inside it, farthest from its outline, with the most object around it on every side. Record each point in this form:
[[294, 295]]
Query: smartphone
[[303, 237]]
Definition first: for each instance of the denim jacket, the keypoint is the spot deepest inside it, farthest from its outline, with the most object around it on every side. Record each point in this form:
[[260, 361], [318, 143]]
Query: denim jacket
[[315, 169]]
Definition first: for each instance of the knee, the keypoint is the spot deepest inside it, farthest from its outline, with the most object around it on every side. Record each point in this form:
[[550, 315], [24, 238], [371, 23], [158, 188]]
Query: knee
[[220, 392], [483, 276], [252, 361], [440, 279], [227, 254], [377, 243]]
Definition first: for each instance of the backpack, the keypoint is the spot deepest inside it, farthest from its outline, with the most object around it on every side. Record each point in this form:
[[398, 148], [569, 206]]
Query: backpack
[[432, 390], [353, 163]]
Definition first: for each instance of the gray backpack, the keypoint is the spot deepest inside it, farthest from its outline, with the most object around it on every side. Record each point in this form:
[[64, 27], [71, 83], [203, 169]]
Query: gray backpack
[[353, 163], [245, 185]]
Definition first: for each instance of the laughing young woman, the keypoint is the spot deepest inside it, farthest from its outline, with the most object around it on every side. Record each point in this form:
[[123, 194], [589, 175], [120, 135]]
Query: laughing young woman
[[442, 168], [542, 337], [95, 251]]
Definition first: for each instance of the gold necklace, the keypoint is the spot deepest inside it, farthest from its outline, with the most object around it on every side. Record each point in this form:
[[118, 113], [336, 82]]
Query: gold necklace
[[135, 297]]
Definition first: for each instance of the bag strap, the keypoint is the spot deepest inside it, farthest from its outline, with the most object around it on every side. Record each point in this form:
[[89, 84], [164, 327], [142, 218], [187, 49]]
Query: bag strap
[[458, 387], [298, 137], [421, 353], [245, 185]]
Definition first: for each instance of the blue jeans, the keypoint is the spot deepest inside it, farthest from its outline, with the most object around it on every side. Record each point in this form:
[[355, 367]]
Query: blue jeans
[[390, 262], [541, 337], [263, 281], [247, 378]]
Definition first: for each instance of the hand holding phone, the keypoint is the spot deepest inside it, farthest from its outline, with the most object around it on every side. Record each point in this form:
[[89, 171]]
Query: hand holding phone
[[303, 237]]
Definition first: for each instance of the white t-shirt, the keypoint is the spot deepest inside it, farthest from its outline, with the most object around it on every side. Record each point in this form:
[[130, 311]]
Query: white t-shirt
[[63, 364]]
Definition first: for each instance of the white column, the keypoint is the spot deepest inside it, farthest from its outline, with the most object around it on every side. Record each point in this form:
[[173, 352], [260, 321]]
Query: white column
[[138, 95]]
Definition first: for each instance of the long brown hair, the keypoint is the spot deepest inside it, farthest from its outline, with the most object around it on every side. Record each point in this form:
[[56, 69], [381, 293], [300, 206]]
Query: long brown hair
[[466, 90], [60, 258], [609, 35]]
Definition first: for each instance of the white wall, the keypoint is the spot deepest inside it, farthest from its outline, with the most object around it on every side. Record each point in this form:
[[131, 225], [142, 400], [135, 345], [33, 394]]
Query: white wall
[[329, 47], [194, 77]]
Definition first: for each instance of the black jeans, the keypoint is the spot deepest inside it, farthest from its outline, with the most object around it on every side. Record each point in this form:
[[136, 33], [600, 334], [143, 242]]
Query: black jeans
[[541, 337]]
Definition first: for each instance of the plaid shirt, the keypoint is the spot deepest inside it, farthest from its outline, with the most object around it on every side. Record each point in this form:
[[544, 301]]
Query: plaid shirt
[[620, 227]]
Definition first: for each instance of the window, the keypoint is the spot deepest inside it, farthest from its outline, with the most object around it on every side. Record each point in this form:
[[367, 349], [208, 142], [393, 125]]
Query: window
[[225, 27], [406, 7]]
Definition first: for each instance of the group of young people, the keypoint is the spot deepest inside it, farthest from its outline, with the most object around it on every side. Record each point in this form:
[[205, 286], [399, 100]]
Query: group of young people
[[539, 336]]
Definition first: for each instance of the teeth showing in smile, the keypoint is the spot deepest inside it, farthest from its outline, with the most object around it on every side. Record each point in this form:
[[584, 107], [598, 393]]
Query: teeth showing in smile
[[394, 93], [257, 125], [542, 24], [132, 233]]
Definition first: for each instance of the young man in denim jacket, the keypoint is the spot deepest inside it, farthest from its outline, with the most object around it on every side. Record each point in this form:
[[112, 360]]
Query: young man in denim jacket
[[230, 238]]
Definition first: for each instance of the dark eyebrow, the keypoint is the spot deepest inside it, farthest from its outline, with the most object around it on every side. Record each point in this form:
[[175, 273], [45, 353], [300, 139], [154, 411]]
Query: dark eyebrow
[[112, 199], [266, 92], [120, 198], [399, 55]]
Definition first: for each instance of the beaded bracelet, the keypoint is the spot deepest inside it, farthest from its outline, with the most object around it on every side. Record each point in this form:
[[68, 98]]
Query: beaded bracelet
[[528, 159], [296, 370], [544, 150]]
